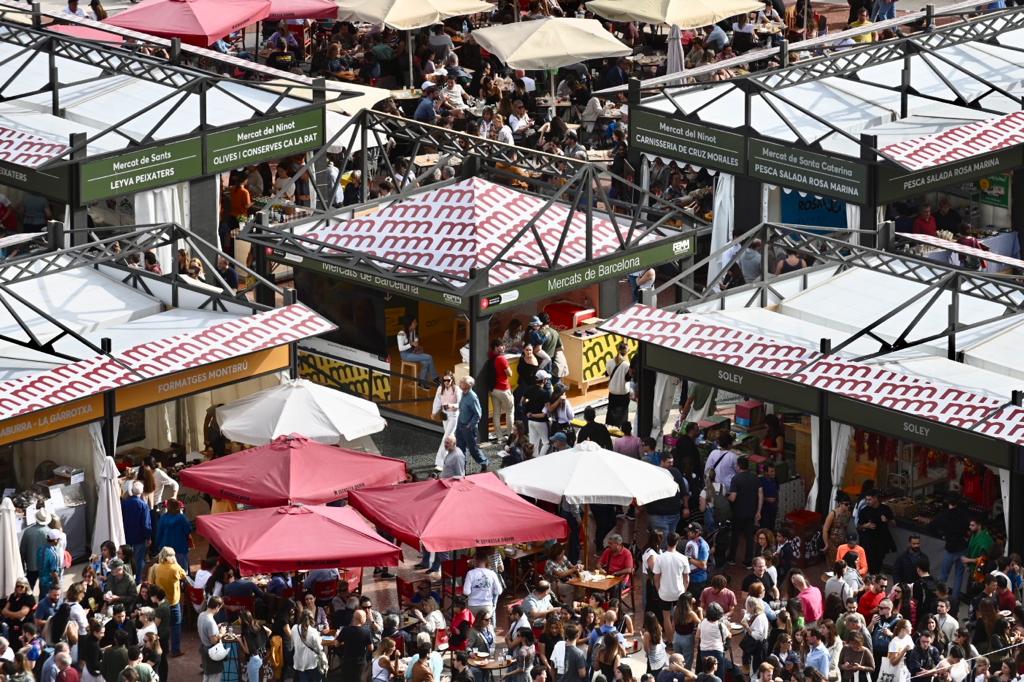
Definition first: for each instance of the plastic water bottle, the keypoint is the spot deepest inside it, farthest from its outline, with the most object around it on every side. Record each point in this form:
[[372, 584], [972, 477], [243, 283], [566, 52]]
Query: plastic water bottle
[[580, 12]]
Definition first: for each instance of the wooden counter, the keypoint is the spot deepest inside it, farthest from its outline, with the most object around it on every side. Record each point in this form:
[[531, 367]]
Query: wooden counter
[[587, 355]]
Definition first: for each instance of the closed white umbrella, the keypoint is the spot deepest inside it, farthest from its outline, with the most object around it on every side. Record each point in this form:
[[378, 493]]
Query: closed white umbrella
[[675, 61], [109, 524], [549, 43], [299, 406], [10, 563], [589, 474], [681, 13]]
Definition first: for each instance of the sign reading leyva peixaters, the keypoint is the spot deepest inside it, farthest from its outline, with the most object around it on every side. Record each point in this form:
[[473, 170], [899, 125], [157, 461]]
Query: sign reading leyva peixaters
[[115, 176]]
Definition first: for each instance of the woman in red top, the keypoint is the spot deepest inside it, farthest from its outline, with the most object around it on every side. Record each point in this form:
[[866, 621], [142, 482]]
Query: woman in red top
[[925, 222]]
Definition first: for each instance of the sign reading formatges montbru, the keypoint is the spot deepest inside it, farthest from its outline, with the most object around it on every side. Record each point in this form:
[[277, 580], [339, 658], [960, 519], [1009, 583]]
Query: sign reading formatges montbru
[[683, 141], [257, 142], [115, 176]]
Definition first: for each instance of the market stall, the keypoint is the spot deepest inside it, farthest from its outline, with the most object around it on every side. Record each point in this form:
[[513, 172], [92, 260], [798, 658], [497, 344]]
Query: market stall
[[467, 260], [912, 128], [99, 363]]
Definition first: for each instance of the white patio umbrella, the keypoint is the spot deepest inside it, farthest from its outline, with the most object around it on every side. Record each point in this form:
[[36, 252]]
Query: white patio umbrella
[[299, 406], [549, 43], [589, 474], [406, 15], [10, 563], [109, 524], [681, 13]]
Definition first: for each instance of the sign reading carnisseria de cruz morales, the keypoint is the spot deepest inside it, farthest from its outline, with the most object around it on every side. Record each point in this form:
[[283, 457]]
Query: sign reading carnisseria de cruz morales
[[268, 139], [683, 141]]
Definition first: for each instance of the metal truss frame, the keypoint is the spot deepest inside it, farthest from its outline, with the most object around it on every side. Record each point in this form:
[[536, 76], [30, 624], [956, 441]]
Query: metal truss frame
[[555, 179], [112, 252], [35, 45], [835, 250], [845, 64]]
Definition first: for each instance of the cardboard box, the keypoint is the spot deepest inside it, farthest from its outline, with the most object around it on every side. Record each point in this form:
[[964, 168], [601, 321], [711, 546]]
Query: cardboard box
[[750, 413]]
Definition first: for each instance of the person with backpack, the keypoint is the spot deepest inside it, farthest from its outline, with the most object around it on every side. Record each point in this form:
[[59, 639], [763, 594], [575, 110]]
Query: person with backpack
[[714, 504], [618, 372]]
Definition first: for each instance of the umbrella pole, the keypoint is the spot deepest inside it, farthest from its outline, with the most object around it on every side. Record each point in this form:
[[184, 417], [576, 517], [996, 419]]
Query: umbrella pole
[[588, 561], [552, 94], [412, 78]]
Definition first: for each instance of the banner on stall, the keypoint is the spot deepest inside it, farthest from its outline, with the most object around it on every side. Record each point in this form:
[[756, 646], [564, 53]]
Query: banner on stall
[[807, 209]]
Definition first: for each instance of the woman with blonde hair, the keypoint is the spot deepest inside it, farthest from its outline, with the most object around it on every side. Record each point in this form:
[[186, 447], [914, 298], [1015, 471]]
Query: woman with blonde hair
[[167, 574], [385, 662]]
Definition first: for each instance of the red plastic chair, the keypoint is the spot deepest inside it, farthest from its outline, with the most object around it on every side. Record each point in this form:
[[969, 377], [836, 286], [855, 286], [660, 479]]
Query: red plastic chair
[[441, 639], [324, 591], [406, 591], [353, 577]]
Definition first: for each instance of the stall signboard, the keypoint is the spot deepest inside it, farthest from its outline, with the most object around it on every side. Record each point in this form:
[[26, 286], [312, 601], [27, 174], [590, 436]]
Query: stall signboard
[[801, 208], [116, 176], [51, 419], [924, 431], [203, 378], [630, 261], [896, 183], [51, 183], [663, 135], [269, 139], [374, 280], [733, 379], [994, 190], [789, 166]]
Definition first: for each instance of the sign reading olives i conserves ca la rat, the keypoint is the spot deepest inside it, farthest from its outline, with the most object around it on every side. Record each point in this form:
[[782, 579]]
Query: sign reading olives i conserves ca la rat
[[270, 139]]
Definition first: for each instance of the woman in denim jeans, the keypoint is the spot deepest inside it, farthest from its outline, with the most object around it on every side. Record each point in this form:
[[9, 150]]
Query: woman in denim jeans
[[685, 619], [255, 638]]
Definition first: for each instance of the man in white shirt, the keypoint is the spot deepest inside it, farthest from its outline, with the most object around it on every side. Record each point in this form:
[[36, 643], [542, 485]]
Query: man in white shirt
[[531, 85], [440, 43], [537, 604], [73, 10], [453, 95], [671, 574], [481, 587], [519, 121]]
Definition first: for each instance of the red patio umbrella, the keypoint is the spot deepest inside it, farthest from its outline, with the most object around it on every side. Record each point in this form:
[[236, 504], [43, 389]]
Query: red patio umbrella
[[450, 514], [290, 470], [86, 33], [302, 9], [295, 538], [196, 22]]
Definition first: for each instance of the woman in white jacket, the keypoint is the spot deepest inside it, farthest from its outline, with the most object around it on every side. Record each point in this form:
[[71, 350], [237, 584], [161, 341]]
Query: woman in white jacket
[[308, 646], [446, 408]]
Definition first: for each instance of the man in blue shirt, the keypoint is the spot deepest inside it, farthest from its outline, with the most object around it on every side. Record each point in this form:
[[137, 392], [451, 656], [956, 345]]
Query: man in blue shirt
[[467, 427], [425, 110], [698, 552], [818, 657], [715, 38], [138, 527]]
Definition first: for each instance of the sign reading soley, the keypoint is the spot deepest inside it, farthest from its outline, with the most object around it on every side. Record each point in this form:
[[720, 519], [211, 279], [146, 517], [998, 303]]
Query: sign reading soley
[[268, 139], [116, 176]]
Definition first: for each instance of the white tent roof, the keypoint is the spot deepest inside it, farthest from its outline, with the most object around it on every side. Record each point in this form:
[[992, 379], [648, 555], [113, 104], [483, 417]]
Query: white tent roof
[[786, 328], [146, 329], [999, 352], [854, 299], [959, 374]]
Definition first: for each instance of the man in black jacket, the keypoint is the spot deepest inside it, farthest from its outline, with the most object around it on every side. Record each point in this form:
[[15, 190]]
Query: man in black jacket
[[953, 525], [923, 657], [594, 430]]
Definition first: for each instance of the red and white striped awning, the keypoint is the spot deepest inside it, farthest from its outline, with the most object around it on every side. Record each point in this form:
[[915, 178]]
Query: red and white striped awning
[[153, 359], [26, 149], [958, 143], [711, 339], [467, 225]]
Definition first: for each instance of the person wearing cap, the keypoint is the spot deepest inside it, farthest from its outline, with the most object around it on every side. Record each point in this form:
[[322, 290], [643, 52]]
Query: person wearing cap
[[138, 526], [49, 561], [558, 442], [535, 400], [120, 586], [32, 540], [853, 545], [426, 110], [536, 338], [698, 553]]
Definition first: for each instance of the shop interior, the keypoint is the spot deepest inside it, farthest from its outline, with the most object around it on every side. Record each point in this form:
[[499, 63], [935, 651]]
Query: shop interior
[[369, 320]]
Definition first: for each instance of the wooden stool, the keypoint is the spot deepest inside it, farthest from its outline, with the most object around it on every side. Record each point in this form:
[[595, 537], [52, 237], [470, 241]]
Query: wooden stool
[[460, 332], [407, 369]]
